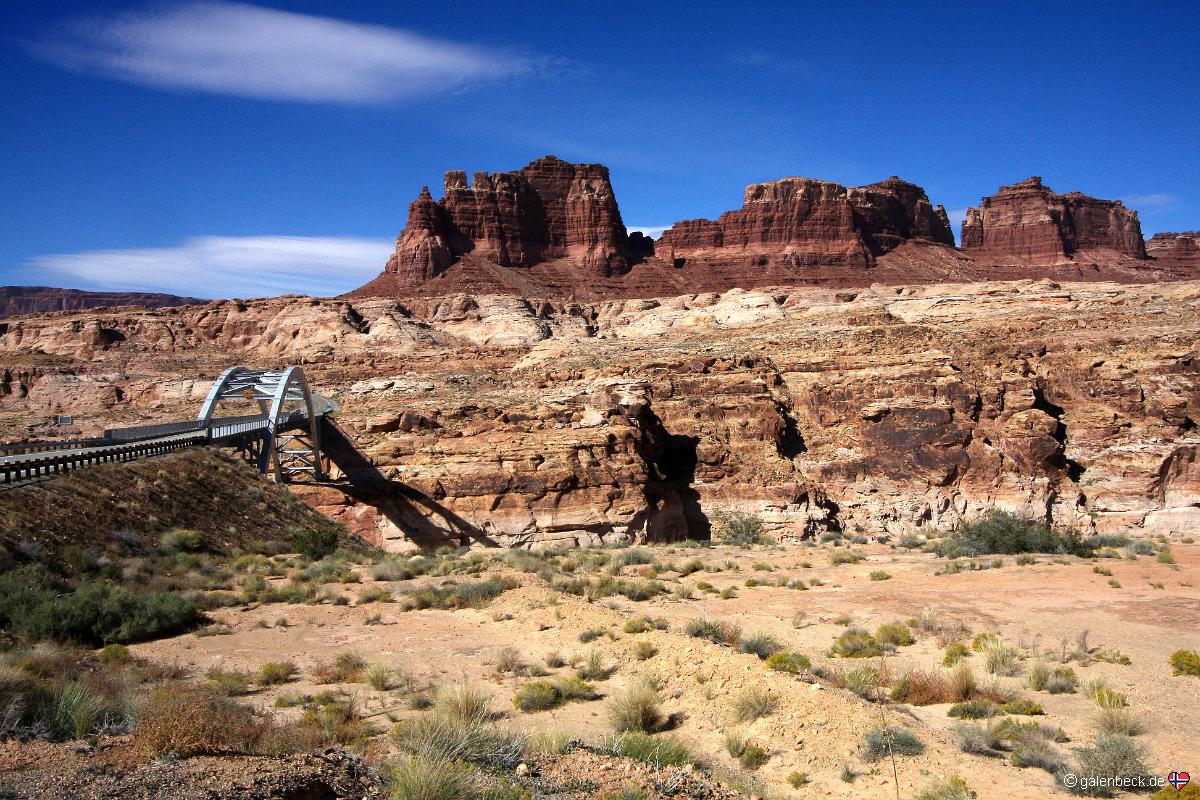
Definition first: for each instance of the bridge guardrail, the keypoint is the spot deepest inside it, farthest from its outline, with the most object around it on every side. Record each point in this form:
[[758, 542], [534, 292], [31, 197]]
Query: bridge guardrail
[[32, 466]]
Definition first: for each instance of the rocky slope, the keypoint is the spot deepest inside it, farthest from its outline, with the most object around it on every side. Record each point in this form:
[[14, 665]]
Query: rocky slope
[[1029, 220], [37, 299], [513, 420]]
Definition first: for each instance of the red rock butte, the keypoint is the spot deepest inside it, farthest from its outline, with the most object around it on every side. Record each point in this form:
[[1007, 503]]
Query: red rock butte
[[553, 229]]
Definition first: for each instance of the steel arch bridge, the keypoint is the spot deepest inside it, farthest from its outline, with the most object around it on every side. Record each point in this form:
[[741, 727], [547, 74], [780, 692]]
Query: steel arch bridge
[[283, 438]]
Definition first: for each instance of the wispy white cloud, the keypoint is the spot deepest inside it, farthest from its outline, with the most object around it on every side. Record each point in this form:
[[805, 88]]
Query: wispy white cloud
[[247, 51], [221, 266], [653, 231], [956, 215], [1149, 200]]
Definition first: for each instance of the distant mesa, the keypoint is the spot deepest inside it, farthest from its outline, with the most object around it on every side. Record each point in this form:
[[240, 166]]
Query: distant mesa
[[1029, 220], [554, 229], [16, 300]]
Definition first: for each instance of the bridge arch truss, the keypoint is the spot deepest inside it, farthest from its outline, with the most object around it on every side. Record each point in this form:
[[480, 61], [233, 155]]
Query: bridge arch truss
[[291, 440]]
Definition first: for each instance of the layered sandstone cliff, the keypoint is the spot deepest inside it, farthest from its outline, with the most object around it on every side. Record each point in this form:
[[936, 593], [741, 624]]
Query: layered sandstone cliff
[[803, 222], [515, 420], [545, 211], [1032, 222], [1177, 251]]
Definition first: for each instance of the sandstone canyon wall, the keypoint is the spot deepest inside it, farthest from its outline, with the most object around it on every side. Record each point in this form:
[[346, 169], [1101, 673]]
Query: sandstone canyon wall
[[515, 420], [1179, 251], [1030, 221], [554, 230]]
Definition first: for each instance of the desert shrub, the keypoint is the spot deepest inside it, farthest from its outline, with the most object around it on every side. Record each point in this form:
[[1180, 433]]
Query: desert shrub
[[1107, 697], [275, 672], [1039, 676], [716, 631], [864, 682], [1185, 662], [346, 667], [34, 603], [636, 708], [1007, 533], [182, 540], [894, 633], [952, 788], [543, 695], [962, 682], [754, 703], [1000, 659], [1189, 792], [880, 575], [1037, 752], [592, 634], [955, 652], [423, 777], [1062, 680], [972, 738], [374, 594], [636, 625], [1023, 706], [189, 722], [644, 650], [461, 595], [789, 661], [463, 701], [1118, 720], [379, 677], [838, 557], [1112, 757], [445, 733], [738, 528], [115, 654], [797, 779], [761, 645], [855, 643], [749, 755], [507, 659], [974, 709], [658, 751], [921, 688], [881, 742], [592, 668], [228, 682], [314, 545]]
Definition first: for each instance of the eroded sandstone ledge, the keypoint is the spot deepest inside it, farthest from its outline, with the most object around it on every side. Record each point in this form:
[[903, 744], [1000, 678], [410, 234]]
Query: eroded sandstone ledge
[[512, 420]]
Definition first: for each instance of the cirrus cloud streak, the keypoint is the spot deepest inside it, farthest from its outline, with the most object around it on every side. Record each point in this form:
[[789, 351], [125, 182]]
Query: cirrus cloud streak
[[222, 266], [248, 51]]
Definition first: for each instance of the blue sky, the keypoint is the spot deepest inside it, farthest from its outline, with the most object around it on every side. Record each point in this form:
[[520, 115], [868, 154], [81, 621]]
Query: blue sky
[[222, 149]]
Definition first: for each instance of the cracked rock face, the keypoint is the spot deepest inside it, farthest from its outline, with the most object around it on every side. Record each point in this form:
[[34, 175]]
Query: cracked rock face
[[521, 421]]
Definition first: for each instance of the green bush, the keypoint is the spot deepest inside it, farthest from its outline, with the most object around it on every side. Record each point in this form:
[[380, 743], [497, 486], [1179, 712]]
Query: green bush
[[1185, 662], [543, 695], [314, 544], [714, 631], [790, 662], [33, 603], [838, 557], [182, 540], [1007, 533], [636, 708], [974, 709], [881, 742], [753, 704], [855, 643], [738, 528], [952, 788], [894, 633], [275, 672], [955, 652], [659, 751], [1023, 706], [761, 645], [1111, 757]]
